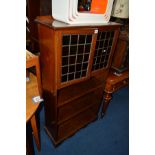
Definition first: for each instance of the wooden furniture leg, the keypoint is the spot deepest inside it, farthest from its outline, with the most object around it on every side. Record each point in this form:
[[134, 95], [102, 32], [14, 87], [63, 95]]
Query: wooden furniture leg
[[35, 131], [113, 83], [107, 98], [33, 88]]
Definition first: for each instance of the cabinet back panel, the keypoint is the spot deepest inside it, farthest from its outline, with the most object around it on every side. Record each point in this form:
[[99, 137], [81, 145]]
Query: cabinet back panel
[[72, 125], [76, 106]]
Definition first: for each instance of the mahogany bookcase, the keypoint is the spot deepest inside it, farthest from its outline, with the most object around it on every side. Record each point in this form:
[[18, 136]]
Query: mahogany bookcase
[[75, 61]]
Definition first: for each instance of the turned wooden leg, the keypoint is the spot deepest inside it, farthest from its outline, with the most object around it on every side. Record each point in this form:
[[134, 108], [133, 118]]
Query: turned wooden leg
[[35, 131], [107, 97]]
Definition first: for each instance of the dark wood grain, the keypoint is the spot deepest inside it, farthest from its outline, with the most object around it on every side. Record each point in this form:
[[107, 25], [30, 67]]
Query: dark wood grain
[[113, 83], [75, 91], [35, 8], [72, 104]]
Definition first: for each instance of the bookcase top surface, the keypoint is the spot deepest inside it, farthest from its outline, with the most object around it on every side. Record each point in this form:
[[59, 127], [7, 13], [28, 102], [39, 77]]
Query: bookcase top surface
[[50, 22]]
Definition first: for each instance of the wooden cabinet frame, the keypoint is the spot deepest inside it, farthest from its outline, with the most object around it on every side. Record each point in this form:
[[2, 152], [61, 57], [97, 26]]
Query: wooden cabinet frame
[[72, 104]]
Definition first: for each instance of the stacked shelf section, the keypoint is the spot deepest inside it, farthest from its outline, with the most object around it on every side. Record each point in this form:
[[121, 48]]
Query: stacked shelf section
[[75, 61]]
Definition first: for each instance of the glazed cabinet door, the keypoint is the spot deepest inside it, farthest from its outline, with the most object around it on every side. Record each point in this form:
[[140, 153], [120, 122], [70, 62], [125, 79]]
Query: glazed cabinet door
[[75, 55], [104, 49]]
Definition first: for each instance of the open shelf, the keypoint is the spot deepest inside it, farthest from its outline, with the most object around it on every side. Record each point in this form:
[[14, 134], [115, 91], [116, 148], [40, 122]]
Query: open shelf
[[77, 106], [75, 91], [75, 123]]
